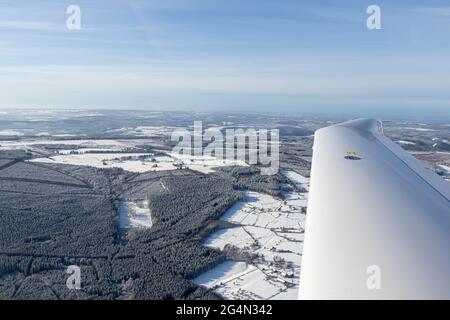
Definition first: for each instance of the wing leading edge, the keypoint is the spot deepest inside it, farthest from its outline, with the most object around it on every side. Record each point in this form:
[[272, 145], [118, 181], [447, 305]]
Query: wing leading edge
[[378, 223]]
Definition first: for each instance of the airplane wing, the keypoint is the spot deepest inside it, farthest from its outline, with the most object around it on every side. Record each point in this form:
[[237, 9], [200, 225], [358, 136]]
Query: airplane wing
[[378, 223]]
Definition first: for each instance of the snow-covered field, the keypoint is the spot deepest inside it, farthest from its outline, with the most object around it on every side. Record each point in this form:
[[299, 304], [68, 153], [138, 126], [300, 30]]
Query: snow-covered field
[[239, 280], [89, 150], [444, 171], [405, 142], [204, 164], [419, 129], [224, 272], [110, 154], [273, 230], [268, 231], [10, 132], [132, 162], [134, 215], [126, 161], [299, 181], [145, 131], [100, 143]]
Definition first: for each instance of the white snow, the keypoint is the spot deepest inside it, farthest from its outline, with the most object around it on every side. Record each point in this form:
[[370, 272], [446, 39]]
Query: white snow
[[145, 131], [134, 215], [64, 135], [300, 181], [89, 150], [273, 229], [444, 170], [79, 143], [234, 236], [418, 129], [204, 164], [10, 132], [240, 281], [114, 160], [117, 160], [109, 154], [224, 272], [405, 142]]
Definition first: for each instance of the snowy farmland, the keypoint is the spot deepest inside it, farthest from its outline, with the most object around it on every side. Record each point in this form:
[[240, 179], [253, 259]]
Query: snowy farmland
[[272, 230], [404, 142], [133, 162], [264, 242], [145, 131], [134, 215], [138, 162], [204, 164], [301, 182], [112, 154], [99, 143]]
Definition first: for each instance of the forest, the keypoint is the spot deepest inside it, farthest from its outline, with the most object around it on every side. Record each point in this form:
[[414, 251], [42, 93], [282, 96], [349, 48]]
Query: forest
[[53, 216]]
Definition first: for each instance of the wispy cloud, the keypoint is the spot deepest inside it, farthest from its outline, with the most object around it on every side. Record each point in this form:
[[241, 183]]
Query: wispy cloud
[[223, 52], [31, 26], [125, 81], [434, 11]]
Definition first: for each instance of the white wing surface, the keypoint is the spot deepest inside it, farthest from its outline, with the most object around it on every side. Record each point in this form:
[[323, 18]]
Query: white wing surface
[[378, 223]]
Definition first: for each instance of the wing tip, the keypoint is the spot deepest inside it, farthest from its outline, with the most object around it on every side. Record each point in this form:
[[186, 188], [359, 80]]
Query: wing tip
[[365, 125]]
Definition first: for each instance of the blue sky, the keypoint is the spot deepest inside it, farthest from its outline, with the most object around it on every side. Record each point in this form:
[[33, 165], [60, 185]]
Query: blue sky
[[239, 55]]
